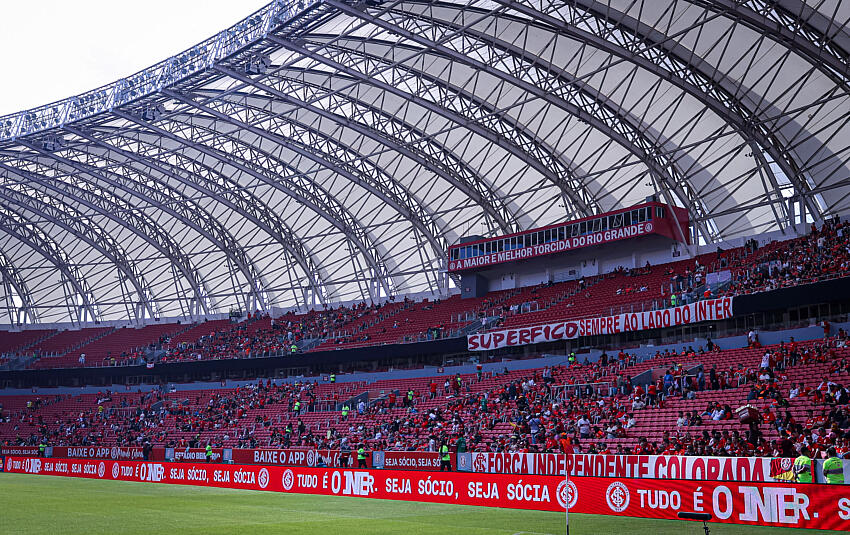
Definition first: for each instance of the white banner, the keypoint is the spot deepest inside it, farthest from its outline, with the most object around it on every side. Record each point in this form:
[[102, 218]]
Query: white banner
[[741, 469], [707, 310]]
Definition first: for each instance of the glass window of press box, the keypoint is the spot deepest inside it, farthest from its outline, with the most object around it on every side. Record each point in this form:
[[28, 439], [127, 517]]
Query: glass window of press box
[[570, 230]]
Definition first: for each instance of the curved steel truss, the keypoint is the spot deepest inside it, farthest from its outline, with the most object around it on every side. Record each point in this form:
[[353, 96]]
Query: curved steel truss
[[330, 150]]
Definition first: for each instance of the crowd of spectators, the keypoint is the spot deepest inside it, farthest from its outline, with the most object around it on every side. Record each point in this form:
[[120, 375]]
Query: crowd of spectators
[[823, 253], [278, 336], [580, 408], [235, 342], [542, 421]]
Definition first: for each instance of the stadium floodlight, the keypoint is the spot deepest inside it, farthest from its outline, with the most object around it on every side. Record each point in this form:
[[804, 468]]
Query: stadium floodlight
[[258, 64], [152, 113], [52, 143]]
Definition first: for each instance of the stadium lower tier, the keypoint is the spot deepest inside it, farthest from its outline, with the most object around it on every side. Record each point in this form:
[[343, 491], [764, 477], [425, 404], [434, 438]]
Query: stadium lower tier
[[765, 504], [686, 405]]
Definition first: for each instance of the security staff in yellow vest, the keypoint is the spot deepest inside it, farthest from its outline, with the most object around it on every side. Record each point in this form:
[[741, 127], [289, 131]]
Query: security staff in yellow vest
[[803, 466], [208, 453], [833, 468], [293, 348], [345, 409], [297, 407], [333, 378], [445, 458], [572, 358], [361, 457]]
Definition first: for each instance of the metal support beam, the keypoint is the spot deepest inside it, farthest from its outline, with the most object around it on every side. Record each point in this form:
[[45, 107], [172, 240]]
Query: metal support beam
[[15, 284], [312, 151], [73, 281], [183, 209], [288, 178], [580, 99], [792, 24], [82, 227], [115, 208], [422, 93], [668, 59], [573, 190], [224, 190], [554, 85], [399, 136], [328, 208], [291, 16], [313, 145]]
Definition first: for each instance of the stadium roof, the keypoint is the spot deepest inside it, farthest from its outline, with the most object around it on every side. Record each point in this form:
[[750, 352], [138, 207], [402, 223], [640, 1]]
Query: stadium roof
[[322, 151]]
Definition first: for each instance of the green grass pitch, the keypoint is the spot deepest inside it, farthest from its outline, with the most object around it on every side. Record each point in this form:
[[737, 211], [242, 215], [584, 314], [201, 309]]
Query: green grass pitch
[[57, 505]]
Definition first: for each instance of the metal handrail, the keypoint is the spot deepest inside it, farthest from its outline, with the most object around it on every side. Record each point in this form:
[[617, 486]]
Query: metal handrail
[[561, 392]]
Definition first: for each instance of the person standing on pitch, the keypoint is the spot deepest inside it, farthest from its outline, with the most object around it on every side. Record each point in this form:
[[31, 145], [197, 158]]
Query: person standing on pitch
[[344, 453], [803, 466], [445, 458], [833, 468], [361, 456]]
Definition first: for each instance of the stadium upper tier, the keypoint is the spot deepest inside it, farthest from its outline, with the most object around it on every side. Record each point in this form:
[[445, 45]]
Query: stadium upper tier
[[686, 406], [822, 254], [326, 151]]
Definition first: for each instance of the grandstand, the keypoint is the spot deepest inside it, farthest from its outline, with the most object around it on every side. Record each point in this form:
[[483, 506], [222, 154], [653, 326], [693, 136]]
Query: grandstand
[[296, 234], [643, 288], [621, 290], [490, 412]]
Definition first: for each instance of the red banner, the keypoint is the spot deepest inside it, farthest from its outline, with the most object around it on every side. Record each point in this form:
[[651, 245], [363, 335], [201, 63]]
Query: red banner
[[706, 310], [557, 246], [763, 504], [768, 504], [740, 469], [512, 463]]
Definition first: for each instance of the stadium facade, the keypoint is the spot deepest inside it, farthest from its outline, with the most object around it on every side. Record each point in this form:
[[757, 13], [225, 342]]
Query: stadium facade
[[327, 151]]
